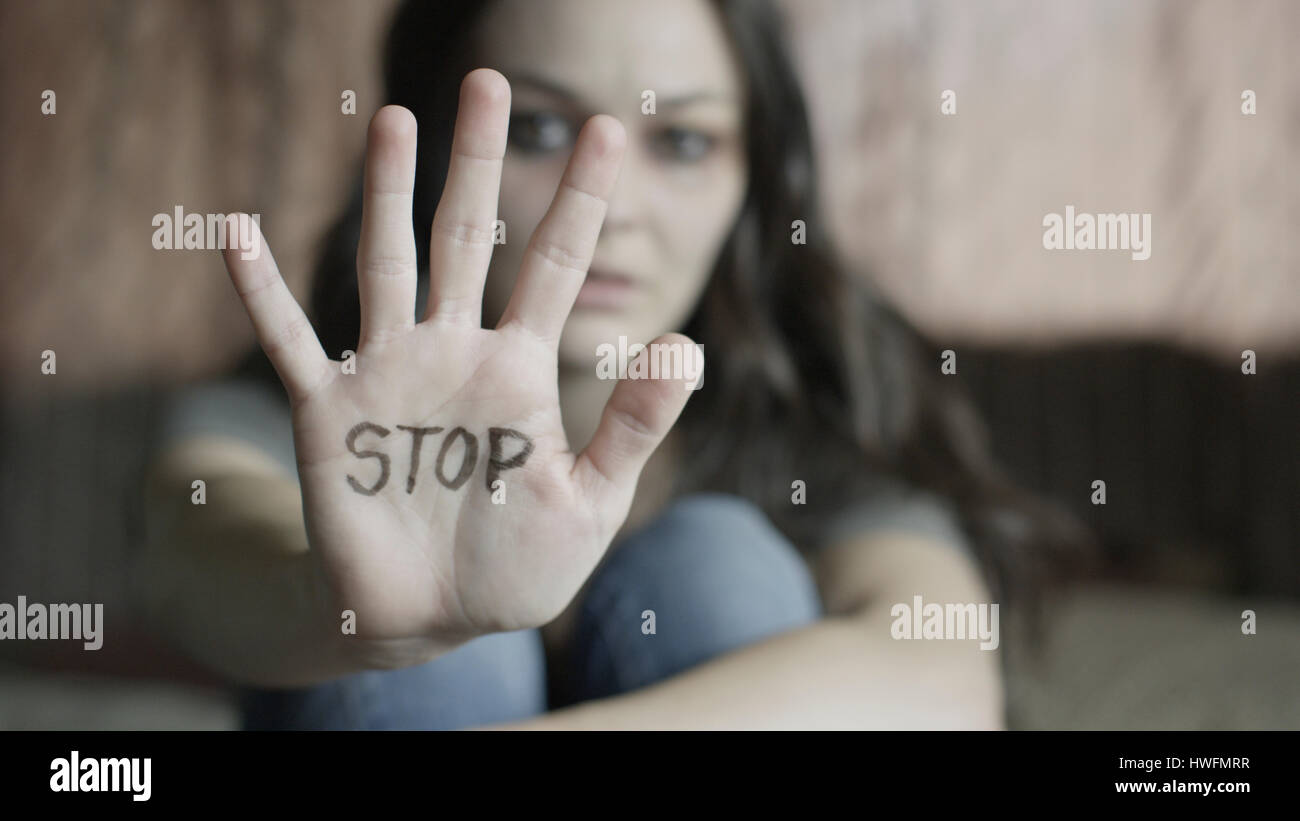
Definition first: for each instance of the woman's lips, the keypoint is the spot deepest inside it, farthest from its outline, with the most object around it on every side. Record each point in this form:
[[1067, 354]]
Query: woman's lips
[[606, 290]]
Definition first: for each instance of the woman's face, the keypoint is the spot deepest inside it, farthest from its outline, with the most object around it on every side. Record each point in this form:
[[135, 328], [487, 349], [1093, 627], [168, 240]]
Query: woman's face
[[683, 173]]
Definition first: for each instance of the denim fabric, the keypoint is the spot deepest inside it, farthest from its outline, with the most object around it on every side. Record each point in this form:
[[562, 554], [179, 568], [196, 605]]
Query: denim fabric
[[714, 571]]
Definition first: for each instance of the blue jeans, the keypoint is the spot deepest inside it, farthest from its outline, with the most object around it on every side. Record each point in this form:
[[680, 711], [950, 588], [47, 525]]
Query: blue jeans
[[714, 571]]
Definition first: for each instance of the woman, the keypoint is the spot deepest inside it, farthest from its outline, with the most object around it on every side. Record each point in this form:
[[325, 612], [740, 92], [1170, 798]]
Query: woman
[[464, 469]]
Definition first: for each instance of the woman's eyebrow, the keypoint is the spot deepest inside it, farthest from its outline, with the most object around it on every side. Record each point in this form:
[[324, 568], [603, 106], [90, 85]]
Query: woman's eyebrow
[[695, 97], [541, 84], [563, 92]]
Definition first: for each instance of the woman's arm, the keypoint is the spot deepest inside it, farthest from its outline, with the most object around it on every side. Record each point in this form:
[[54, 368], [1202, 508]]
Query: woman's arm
[[230, 581], [845, 672]]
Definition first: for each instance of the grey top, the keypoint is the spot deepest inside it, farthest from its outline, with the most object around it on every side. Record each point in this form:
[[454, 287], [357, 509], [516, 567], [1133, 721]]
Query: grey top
[[259, 414], [239, 408]]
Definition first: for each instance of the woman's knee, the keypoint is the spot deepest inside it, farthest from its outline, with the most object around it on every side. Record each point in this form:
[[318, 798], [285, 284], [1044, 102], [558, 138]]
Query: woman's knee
[[709, 575], [719, 550]]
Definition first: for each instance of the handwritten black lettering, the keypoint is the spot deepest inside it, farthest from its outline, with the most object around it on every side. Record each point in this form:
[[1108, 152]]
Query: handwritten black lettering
[[497, 465], [417, 439], [498, 462], [466, 465], [384, 465]]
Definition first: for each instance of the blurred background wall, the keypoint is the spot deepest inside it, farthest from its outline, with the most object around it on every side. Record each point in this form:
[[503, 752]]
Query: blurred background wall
[[1109, 105], [1087, 365]]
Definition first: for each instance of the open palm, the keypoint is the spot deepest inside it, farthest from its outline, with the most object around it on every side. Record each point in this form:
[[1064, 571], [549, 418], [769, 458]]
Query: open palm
[[441, 497]]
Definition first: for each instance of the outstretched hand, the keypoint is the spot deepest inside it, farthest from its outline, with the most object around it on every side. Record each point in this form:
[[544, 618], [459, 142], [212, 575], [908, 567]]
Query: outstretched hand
[[400, 460]]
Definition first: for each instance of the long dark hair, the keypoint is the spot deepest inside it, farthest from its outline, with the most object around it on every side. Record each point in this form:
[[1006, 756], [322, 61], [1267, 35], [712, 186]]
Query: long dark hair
[[811, 375]]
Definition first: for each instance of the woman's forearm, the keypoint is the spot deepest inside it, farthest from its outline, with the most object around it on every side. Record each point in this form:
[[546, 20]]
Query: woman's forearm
[[232, 584], [230, 578], [840, 673]]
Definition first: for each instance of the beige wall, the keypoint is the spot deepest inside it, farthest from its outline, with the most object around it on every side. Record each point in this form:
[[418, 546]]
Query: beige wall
[[1109, 105]]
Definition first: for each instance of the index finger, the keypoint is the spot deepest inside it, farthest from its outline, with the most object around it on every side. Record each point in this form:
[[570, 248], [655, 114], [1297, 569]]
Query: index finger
[[282, 328]]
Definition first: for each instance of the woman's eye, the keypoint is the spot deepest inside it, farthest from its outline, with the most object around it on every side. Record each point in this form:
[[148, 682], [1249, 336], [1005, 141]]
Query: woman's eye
[[684, 144], [539, 131]]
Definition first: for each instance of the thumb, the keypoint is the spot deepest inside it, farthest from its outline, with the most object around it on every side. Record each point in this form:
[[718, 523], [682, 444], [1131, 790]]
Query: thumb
[[637, 417]]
